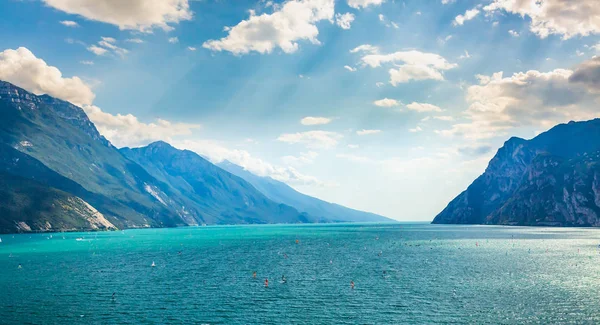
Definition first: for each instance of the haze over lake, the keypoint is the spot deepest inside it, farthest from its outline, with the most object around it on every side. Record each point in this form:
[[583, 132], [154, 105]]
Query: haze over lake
[[403, 273]]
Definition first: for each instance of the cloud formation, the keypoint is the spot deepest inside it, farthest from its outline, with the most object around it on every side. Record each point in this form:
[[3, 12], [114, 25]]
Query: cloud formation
[[344, 20], [311, 120], [293, 21], [367, 132], [423, 107], [358, 4], [529, 99], [410, 65], [386, 102], [469, 14], [128, 14], [24, 69], [217, 153], [128, 131], [560, 17], [312, 139]]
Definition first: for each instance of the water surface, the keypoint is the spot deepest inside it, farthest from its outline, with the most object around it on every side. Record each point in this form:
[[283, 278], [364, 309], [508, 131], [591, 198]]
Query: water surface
[[403, 273]]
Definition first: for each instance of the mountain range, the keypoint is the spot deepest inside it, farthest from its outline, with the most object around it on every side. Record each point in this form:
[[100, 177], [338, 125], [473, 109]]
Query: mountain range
[[550, 180], [58, 173]]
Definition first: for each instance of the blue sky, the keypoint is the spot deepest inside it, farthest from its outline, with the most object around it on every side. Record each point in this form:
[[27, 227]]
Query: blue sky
[[406, 101]]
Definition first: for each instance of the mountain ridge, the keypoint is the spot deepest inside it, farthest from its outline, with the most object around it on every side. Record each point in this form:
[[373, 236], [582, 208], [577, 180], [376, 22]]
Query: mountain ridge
[[512, 183]]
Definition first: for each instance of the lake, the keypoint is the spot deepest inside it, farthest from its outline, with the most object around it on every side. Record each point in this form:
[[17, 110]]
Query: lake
[[402, 273]]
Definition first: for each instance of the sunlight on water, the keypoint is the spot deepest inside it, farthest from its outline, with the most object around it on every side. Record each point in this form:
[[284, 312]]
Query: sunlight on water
[[403, 273]]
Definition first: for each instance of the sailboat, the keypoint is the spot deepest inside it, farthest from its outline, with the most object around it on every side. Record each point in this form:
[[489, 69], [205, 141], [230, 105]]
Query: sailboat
[[153, 265]]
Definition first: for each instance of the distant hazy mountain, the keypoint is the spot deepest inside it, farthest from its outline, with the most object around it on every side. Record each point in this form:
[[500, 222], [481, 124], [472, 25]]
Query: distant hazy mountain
[[213, 195], [58, 173], [281, 192], [552, 179]]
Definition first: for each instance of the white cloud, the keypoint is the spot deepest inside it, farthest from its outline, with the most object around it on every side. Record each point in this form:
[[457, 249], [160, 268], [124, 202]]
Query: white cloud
[[349, 68], [560, 17], [469, 14], [367, 132], [379, 84], [312, 139], [310, 120], [191, 48], [415, 130], [106, 45], [294, 21], [128, 131], [444, 118], [87, 62], [529, 99], [358, 4], [367, 48], [411, 65], [344, 20], [386, 102], [130, 14], [465, 56], [353, 146], [70, 23], [97, 50], [24, 69], [217, 153], [513, 33], [135, 40], [423, 107], [304, 158], [445, 2], [173, 40]]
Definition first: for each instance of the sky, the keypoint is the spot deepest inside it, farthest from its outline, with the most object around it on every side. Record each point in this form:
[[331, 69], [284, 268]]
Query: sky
[[387, 106]]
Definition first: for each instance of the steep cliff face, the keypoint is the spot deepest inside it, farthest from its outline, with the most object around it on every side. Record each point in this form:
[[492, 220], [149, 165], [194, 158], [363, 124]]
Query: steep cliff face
[[542, 181], [57, 172], [555, 192]]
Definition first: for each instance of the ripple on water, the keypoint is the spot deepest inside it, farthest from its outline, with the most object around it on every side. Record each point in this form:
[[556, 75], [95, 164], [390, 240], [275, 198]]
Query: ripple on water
[[433, 274]]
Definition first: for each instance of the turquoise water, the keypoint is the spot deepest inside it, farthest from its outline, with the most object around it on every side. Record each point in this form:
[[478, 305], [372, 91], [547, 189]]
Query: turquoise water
[[433, 274]]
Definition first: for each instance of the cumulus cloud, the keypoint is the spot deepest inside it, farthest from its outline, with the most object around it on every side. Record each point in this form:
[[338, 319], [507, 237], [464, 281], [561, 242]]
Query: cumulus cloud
[[217, 153], [358, 4], [349, 68], [469, 14], [293, 21], [367, 132], [24, 69], [423, 107], [311, 120], [344, 20], [529, 99], [130, 14], [70, 23], [173, 40], [312, 139], [560, 17], [128, 131], [386, 102], [304, 158], [513, 33], [411, 65], [415, 130], [135, 40]]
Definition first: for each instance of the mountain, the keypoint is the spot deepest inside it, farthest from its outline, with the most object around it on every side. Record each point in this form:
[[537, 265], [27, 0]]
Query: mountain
[[282, 193], [70, 177], [212, 194], [552, 179]]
